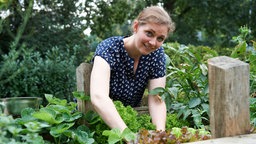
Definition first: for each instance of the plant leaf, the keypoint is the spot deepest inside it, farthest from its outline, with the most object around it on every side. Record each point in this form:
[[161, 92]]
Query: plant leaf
[[83, 137], [128, 135], [174, 91], [239, 49], [176, 131], [81, 95], [114, 135], [45, 114], [53, 100], [204, 69], [92, 117], [168, 60], [156, 91], [194, 102], [57, 130]]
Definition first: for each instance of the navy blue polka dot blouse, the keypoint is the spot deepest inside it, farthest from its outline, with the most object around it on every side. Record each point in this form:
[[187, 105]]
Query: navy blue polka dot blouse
[[126, 86]]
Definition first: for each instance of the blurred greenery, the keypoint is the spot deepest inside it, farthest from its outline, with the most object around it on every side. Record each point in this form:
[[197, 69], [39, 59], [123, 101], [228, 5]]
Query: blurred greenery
[[207, 22]]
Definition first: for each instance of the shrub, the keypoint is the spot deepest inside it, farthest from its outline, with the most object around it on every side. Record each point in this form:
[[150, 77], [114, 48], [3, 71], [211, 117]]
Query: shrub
[[186, 91], [28, 73]]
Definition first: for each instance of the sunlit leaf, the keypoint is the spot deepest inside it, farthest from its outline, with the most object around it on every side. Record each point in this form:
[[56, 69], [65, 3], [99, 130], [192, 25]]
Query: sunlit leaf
[[156, 91], [239, 49], [194, 102], [114, 135], [57, 130], [81, 95], [204, 69]]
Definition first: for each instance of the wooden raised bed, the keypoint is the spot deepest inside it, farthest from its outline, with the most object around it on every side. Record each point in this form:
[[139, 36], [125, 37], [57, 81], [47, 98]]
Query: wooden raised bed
[[240, 139]]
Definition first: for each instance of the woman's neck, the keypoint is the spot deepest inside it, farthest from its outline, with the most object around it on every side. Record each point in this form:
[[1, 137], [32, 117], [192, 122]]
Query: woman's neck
[[129, 45]]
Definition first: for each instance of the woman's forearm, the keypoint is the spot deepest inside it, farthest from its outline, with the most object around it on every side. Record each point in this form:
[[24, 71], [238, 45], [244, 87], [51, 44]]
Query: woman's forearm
[[99, 93], [157, 106], [157, 111], [106, 109]]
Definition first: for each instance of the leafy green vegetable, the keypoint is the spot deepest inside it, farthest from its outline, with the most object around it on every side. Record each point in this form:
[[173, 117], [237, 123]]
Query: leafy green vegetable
[[176, 132], [81, 95], [58, 118], [173, 136], [115, 135], [53, 100]]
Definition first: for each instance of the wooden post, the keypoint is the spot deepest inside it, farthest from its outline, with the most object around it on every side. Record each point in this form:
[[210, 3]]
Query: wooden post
[[229, 97], [83, 74]]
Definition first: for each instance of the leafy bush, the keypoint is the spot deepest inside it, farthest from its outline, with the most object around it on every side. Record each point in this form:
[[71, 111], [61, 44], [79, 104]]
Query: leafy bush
[[27, 73], [253, 111], [246, 51], [172, 121], [186, 91], [145, 122]]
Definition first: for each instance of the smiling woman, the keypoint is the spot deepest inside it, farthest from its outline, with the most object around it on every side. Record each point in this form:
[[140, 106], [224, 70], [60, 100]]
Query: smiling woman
[[123, 67]]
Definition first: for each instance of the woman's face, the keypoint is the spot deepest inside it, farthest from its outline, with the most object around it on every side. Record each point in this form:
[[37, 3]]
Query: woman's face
[[149, 37]]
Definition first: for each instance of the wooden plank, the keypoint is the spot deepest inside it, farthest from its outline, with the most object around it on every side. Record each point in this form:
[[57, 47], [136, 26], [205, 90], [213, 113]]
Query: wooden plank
[[142, 110], [229, 97], [241, 139], [83, 74]]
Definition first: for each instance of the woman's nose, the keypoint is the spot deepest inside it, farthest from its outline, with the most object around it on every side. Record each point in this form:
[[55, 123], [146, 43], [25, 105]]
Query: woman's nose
[[152, 42]]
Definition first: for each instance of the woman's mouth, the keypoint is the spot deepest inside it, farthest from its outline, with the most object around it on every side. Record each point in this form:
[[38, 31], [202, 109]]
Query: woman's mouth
[[149, 47]]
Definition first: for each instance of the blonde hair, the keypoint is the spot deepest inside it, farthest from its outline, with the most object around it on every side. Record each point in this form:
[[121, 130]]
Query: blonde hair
[[155, 14]]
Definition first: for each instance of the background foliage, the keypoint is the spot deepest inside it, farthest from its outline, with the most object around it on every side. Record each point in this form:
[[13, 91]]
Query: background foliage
[[42, 42], [208, 22], [30, 74]]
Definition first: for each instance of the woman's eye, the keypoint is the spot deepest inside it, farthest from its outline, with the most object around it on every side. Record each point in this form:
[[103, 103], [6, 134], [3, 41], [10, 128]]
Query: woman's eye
[[160, 39], [149, 34]]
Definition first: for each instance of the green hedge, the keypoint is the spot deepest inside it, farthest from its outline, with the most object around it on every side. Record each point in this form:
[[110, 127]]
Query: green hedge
[[27, 73]]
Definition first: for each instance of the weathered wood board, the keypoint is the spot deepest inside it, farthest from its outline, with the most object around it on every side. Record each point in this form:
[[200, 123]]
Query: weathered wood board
[[228, 97]]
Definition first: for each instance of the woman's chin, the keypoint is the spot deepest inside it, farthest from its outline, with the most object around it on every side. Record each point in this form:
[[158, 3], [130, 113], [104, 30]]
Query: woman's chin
[[145, 52]]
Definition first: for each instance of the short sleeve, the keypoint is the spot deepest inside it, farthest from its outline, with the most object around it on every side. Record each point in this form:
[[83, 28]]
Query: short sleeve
[[158, 65], [109, 50]]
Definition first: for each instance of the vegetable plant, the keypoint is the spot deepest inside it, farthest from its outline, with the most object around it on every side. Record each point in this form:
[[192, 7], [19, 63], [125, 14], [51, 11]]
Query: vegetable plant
[[245, 50], [128, 114], [173, 136], [253, 111], [115, 135], [58, 121], [186, 91], [134, 121], [13, 132]]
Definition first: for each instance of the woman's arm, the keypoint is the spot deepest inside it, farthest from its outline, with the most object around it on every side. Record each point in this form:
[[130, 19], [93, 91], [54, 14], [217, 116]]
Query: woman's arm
[[99, 92], [157, 107]]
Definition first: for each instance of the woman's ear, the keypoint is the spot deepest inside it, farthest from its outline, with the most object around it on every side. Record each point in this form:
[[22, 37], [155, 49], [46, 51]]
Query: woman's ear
[[135, 26]]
